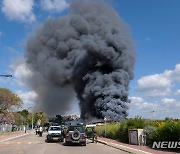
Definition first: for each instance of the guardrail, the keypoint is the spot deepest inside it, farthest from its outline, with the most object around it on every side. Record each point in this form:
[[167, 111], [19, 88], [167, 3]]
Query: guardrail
[[4, 128]]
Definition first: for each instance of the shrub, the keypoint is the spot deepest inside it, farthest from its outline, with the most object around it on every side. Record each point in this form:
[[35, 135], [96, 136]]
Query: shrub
[[111, 130], [123, 132], [136, 123], [129, 124], [155, 130], [119, 131], [149, 130], [170, 131], [100, 130]]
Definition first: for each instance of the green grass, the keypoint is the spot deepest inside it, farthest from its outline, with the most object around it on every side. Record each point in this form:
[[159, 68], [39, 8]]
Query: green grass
[[112, 130]]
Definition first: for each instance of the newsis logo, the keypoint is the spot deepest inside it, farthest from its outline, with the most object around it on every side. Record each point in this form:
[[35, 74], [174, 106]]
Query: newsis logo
[[166, 145]]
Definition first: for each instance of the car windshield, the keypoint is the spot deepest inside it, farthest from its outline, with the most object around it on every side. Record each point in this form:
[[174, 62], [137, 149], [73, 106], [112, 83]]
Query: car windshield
[[89, 129], [80, 129], [55, 128]]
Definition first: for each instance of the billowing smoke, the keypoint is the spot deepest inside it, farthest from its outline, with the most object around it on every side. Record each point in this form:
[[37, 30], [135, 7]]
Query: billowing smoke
[[87, 54]]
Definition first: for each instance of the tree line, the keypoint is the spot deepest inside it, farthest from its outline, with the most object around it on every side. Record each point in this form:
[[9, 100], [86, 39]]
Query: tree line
[[10, 104]]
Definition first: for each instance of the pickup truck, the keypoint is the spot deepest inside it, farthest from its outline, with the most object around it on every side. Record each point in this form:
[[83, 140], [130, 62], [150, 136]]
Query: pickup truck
[[55, 133]]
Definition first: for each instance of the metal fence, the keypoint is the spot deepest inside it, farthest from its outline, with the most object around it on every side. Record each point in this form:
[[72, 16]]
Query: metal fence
[[4, 128]]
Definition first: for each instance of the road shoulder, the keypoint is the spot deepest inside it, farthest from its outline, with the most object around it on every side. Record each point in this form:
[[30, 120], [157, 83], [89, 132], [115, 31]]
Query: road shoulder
[[135, 149], [12, 135]]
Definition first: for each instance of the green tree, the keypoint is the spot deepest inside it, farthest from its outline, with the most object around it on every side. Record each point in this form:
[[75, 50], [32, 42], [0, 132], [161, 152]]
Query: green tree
[[18, 118], [29, 118], [8, 100], [136, 123], [59, 119], [40, 116], [24, 114]]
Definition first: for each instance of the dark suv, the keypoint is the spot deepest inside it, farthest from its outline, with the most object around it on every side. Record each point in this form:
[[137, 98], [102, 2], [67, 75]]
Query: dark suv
[[76, 135]]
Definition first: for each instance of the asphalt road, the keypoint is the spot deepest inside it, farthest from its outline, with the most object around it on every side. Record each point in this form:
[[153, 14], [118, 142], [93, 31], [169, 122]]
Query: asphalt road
[[32, 144]]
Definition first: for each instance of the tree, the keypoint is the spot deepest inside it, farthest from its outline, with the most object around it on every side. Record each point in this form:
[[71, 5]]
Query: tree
[[8, 100], [8, 117], [18, 118], [24, 114], [40, 116], [59, 119]]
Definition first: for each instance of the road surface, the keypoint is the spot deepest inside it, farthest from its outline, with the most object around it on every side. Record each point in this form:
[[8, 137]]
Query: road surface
[[32, 144]]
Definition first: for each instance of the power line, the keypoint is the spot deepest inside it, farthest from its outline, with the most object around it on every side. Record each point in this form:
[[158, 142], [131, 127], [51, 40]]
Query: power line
[[7, 76]]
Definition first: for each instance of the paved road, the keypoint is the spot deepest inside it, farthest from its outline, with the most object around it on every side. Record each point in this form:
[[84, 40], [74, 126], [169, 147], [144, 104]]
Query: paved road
[[32, 144]]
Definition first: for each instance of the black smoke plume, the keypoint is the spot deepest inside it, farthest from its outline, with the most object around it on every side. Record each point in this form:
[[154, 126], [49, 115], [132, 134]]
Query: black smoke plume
[[87, 54]]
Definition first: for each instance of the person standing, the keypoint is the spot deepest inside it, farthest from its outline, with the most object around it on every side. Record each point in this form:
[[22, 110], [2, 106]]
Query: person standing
[[40, 131], [94, 135], [24, 129]]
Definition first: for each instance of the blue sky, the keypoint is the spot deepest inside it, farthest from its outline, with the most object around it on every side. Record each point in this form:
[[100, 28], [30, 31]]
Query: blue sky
[[154, 26]]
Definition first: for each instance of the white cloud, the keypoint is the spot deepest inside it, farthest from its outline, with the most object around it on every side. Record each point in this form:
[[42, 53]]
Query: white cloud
[[28, 98], [54, 5], [159, 84], [22, 72], [21, 75], [168, 100], [154, 85], [137, 99], [20, 10], [138, 103], [140, 107], [177, 92], [175, 74], [167, 107]]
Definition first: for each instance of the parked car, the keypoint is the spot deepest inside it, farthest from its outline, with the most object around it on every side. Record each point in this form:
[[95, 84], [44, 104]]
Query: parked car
[[76, 135], [55, 134]]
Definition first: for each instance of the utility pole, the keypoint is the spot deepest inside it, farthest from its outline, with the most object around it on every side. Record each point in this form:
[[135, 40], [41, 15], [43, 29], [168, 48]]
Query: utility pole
[[152, 114], [7, 76], [105, 131], [32, 120]]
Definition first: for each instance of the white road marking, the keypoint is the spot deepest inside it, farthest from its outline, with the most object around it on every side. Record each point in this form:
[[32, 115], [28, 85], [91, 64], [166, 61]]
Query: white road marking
[[13, 137]]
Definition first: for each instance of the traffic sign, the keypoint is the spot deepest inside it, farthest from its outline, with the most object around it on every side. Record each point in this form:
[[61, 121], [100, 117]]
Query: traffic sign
[[105, 119]]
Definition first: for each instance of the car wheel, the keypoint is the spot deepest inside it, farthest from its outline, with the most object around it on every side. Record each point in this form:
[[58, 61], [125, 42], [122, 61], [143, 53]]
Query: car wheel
[[61, 140], [67, 143], [47, 141]]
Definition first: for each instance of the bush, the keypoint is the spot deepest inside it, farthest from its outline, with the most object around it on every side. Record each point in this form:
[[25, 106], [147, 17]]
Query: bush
[[119, 131], [155, 130], [111, 130], [100, 130], [170, 131], [129, 124], [149, 130], [136, 123], [123, 132]]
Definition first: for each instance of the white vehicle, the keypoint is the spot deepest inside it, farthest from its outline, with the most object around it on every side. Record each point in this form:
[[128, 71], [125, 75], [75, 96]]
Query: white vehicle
[[55, 134]]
